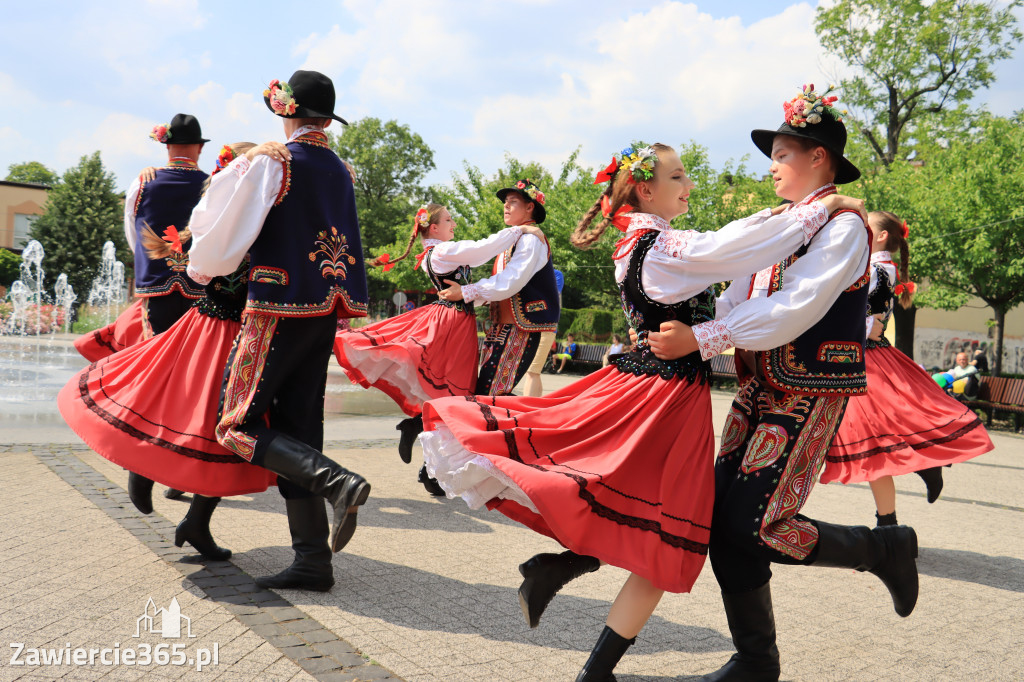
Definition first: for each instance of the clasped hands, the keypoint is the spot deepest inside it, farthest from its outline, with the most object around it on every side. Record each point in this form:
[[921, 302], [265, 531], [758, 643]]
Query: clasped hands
[[674, 340]]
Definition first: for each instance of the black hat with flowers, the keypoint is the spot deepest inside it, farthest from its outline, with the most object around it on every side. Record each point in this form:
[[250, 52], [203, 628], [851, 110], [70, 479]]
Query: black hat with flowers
[[307, 94], [531, 193], [183, 129], [812, 117]]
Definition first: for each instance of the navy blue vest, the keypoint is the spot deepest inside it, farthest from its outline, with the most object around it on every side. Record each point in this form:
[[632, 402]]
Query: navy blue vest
[[535, 308], [166, 200], [308, 258], [828, 358], [461, 274]]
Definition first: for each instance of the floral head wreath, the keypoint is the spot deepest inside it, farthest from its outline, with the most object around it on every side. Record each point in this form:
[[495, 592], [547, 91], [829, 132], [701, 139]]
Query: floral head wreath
[[281, 98], [161, 133], [226, 156], [422, 217], [638, 160], [809, 106], [529, 189]]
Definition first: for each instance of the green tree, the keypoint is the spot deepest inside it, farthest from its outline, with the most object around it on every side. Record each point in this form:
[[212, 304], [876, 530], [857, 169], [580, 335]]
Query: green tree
[[82, 212], [10, 267], [913, 59], [31, 172]]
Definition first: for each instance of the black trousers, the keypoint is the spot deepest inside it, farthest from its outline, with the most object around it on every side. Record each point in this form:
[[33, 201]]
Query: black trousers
[[274, 383], [163, 311], [507, 354]]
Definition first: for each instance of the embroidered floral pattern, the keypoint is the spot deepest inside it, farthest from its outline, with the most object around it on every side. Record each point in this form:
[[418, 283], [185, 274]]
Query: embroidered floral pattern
[[812, 217], [332, 251], [712, 338], [673, 242]]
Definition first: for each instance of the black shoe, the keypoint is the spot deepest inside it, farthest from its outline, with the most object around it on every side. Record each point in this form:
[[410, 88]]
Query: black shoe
[[195, 529], [933, 481], [140, 491], [607, 653], [173, 494], [885, 519], [431, 484], [888, 552], [544, 575], [308, 468], [311, 569], [410, 428], [752, 624]]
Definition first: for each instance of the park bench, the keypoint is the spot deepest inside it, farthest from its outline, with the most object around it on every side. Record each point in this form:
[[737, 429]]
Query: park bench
[[1000, 394], [588, 358], [723, 370]]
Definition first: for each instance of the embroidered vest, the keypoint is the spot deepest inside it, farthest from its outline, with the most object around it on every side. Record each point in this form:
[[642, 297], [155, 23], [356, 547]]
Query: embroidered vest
[[828, 358], [168, 199], [880, 301], [225, 296], [645, 315], [461, 274], [308, 258], [535, 308]]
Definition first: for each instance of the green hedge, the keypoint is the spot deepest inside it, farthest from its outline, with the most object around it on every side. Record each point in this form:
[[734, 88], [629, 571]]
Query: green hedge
[[592, 325]]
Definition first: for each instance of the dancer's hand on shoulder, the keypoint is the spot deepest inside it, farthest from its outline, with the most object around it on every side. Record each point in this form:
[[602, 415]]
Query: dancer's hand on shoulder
[[148, 173], [275, 150], [876, 328], [532, 229], [351, 170], [838, 202], [674, 340], [452, 293]]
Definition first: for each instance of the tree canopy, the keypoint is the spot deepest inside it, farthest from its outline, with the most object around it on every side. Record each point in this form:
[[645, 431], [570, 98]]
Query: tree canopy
[[31, 172]]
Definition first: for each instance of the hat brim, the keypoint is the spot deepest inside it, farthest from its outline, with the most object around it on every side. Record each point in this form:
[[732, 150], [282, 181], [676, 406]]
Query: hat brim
[[201, 140], [304, 112], [845, 172], [539, 212]]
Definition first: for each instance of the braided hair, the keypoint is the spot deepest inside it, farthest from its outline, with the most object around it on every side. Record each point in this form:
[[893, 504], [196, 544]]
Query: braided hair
[[893, 226], [418, 230]]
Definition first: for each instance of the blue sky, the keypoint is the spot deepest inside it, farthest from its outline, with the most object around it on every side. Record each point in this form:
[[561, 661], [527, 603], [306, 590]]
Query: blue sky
[[477, 79]]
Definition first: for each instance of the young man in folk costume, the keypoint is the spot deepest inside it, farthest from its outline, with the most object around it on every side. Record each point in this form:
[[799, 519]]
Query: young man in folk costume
[[522, 294], [162, 205], [801, 325], [293, 211]]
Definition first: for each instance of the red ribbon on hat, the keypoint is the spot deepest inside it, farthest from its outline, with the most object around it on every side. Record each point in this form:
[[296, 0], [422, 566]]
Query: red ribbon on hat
[[620, 219], [607, 173], [171, 236]]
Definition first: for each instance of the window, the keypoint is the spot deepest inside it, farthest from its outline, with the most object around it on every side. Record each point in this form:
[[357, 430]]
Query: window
[[22, 225]]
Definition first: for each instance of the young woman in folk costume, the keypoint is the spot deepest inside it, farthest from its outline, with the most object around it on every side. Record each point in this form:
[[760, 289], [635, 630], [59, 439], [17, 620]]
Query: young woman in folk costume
[[152, 408], [617, 467], [431, 351], [905, 423]]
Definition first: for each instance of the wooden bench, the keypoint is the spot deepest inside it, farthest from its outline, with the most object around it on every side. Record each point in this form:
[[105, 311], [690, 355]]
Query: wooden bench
[[1000, 394], [588, 358], [723, 370]]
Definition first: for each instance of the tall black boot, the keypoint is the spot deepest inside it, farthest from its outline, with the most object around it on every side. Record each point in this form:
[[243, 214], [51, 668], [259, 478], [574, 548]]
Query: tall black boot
[[431, 484], [888, 552], [311, 569], [140, 491], [933, 481], [752, 624], [308, 468], [410, 428], [885, 519], [607, 653], [545, 574], [195, 529], [173, 494]]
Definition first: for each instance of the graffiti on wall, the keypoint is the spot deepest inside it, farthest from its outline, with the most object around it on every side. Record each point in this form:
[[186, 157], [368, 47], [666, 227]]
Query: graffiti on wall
[[938, 348]]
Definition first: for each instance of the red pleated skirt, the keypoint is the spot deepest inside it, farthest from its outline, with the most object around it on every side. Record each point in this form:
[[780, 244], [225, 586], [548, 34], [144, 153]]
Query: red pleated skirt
[[128, 329], [152, 409], [904, 423], [427, 353], [615, 466]]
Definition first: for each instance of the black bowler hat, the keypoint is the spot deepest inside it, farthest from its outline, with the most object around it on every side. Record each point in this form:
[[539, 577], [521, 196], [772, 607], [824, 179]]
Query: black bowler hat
[[183, 129], [307, 94], [531, 193], [811, 116]]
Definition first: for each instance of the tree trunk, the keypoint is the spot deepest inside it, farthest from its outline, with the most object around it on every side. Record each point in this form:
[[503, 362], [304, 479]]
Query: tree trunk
[[997, 361], [903, 320]]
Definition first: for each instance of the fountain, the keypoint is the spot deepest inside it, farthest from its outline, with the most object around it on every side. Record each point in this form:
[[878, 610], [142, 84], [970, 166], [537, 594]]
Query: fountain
[[64, 297], [108, 287]]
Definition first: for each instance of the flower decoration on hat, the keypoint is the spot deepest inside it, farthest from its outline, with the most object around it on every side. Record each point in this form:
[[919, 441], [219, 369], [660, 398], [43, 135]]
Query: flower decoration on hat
[[161, 133], [422, 217], [226, 156], [529, 189], [281, 98], [639, 161], [808, 107]]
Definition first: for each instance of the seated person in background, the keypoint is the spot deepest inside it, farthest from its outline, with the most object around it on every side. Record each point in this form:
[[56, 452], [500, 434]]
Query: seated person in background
[[980, 361], [615, 349], [961, 370], [569, 349]]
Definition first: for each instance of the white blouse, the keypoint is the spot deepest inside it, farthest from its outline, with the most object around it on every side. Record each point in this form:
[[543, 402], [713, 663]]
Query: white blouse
[[449, 255], [530, 256]]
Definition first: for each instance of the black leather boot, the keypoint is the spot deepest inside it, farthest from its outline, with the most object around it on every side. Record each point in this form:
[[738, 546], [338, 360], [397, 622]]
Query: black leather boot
[[173, 494], [431, 484], [140, 491], [311, 569], [607, 653], [195, 529], [885, 519], [933, 481], [752, 624], [410, 428], [310, 469], [888, 552], [545, 574]]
